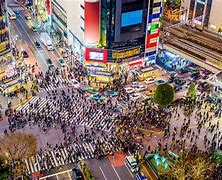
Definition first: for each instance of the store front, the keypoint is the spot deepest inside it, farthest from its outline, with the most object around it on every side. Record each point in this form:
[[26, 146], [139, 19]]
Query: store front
[[4, 30], [172, 62], [59, 23], [42, 11]]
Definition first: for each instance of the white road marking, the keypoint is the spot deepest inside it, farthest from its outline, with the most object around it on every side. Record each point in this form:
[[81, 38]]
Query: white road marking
[[128, 169], [102, 173], [116, 172], [42, 178]]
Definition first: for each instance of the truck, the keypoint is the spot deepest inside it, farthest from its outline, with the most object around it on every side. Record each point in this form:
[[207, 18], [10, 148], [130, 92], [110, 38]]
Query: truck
[[47, 41]]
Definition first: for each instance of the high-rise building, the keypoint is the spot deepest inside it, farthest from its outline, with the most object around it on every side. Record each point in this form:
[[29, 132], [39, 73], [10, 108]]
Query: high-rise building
[[4, 30], [204, 13], [110, 34]]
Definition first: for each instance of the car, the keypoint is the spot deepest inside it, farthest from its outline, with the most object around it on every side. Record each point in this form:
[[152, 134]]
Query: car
[[203, 86], [33, 28], [135, 96], [97, 97], [110, 93], [129, 90], [65, 55], [206, 72], [183, 70], [141, 176], [37, 44], [158, 82], [50, 48], [62, 62], [25, 54], [141, 88], [92, 90], [77, 174], [49, 62], [149, 81], [179, 82], [135, 84], [17, 12], [27, 17]]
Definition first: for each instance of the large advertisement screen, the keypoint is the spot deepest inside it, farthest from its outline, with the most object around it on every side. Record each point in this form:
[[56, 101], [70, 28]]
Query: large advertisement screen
[[131, 18], [95, 54]]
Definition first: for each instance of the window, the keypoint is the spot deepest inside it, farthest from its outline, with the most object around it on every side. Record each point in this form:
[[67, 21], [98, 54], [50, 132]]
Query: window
[[82, 6], [82, 18], [82, 29]]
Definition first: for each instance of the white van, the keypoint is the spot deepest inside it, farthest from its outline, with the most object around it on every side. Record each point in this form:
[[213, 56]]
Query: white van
[[131, 163], [47, 41]]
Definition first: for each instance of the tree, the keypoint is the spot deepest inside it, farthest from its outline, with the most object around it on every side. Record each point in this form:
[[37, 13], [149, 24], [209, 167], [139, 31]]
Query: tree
[[4, 170], [196, 166], [164, 95], [191, 93], [15, 147]]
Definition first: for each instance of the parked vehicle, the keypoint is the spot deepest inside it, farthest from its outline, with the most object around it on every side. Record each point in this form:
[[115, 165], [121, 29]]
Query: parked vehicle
[[47, 41], [203, 86], [97, 97], [11, 13], [131, 163], [141, 88], [149, 81], [129, 90], [135, 96], [135, 84], [27, 17], [179, 82]]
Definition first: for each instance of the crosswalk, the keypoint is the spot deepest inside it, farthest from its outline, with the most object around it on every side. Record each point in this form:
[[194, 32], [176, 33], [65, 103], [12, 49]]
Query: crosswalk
[[59, 83], [64, 155], [35, 104], [18, 8], [95, 118]]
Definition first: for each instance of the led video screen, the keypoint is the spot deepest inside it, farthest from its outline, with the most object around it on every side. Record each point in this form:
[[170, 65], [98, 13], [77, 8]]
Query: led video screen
[[131, 18]]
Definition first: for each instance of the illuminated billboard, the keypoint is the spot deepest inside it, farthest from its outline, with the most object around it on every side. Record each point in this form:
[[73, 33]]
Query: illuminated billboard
[[131, 18], [91, 22], [126, 54], [94, 54]]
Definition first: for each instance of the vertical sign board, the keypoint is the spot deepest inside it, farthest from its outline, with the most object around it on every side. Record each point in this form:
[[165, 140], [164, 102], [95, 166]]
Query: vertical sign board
[[153, 29], [92, 22]]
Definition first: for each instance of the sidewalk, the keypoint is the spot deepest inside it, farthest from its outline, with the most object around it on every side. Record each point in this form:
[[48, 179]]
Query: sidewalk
[[147, 171]]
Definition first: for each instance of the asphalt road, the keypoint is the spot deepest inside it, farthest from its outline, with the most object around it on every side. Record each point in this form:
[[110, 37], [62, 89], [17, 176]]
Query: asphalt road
[[23, 31], [104, 170]]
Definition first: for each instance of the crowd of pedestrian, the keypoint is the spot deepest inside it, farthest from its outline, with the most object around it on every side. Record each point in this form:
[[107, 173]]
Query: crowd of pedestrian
[[67, 109]]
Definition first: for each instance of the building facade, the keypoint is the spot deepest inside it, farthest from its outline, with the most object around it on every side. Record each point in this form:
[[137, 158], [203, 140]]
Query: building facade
[[206, 14], [4, 29], [110, 34]]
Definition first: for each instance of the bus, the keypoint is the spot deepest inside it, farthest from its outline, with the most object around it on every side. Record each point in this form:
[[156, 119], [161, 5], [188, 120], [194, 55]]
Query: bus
[[131, 164], [11, 13]]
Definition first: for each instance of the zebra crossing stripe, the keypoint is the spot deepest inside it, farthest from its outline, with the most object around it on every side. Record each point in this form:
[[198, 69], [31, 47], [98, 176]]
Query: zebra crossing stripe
[[56, 163], [27, 166], [24, 105], [32, 169]]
